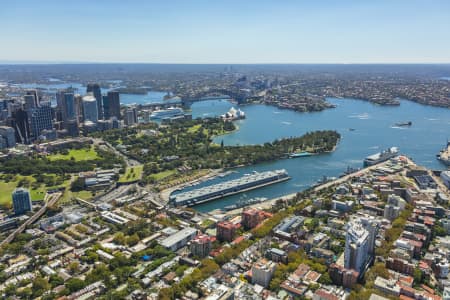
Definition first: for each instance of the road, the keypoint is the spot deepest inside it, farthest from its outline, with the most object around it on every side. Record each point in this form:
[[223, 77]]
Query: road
[[49, 200]]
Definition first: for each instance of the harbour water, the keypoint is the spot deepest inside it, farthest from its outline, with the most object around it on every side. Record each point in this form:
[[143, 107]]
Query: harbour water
[[365, 129], [374, 130]]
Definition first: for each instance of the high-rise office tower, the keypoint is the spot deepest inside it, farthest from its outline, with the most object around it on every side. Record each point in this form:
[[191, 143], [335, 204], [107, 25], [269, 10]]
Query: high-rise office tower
[[65, 109], [78, 107], [30, 102], [131, 116], [35, 94], [8, 134], [90, 112], [106, 112], [113, 100], [69, 107], [94, 88], [21, 201], [21, 122], [356, 254], [41, 118]]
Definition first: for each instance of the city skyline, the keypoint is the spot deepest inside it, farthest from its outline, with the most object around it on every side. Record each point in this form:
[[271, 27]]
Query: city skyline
[[199, 32]]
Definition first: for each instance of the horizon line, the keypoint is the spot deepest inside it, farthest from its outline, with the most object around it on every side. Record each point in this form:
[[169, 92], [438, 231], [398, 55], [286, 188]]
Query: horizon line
[[6, 62]]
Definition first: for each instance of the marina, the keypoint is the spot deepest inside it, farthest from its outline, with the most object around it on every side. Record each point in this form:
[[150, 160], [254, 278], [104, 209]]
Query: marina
[[212, 192], [245, 202]]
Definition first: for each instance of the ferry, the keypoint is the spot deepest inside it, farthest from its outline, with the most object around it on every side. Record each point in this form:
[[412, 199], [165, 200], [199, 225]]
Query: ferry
[[380, 157], [300, 154], [245, 183], [165, 113]]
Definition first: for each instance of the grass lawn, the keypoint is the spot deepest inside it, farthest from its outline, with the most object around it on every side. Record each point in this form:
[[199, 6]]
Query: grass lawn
[[77, 154], [194, 128], [85, 195], [6, 188], [132, 174], [161, 175]]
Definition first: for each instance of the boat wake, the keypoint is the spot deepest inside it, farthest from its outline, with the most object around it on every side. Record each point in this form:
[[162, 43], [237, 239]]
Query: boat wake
[[286, 123], [363, 116]]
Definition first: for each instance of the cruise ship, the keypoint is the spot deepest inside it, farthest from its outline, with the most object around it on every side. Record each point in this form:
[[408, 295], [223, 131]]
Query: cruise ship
[[165, 113], [228, 188], [444, 155], [380, 157]]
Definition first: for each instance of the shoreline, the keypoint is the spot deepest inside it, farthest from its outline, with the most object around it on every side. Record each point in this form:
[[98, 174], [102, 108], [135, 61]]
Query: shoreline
[[269, 203]]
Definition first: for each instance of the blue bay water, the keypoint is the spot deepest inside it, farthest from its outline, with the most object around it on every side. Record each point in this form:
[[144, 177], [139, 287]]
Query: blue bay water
[[127, 99], [374, 130]]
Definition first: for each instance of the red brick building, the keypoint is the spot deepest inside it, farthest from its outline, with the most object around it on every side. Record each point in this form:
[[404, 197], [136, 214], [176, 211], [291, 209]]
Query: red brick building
[[226, 231]]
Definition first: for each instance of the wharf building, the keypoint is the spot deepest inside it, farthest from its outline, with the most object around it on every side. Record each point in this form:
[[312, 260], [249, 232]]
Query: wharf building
[[21, 201]]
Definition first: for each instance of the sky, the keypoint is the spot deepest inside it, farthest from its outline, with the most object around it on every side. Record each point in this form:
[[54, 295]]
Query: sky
[[227, 31]]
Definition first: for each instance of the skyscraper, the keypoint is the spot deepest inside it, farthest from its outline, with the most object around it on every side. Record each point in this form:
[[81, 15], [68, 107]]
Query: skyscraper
[[69, 107], [94, 88], [90, 112], [78, 107], [131, 116], [106, 111], [41, 118], [21, 201], [356, 252], [30, 102], [22, 125], [113, 105], [35, 95], [9, 135]]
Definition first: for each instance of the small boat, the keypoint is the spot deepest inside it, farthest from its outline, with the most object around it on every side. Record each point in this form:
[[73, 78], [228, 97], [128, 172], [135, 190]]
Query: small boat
[[403, 124], [300, 154], [351, 129]]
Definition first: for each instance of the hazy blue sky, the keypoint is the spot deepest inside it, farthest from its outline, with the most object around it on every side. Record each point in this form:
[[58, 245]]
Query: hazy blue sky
[[228, 31]]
